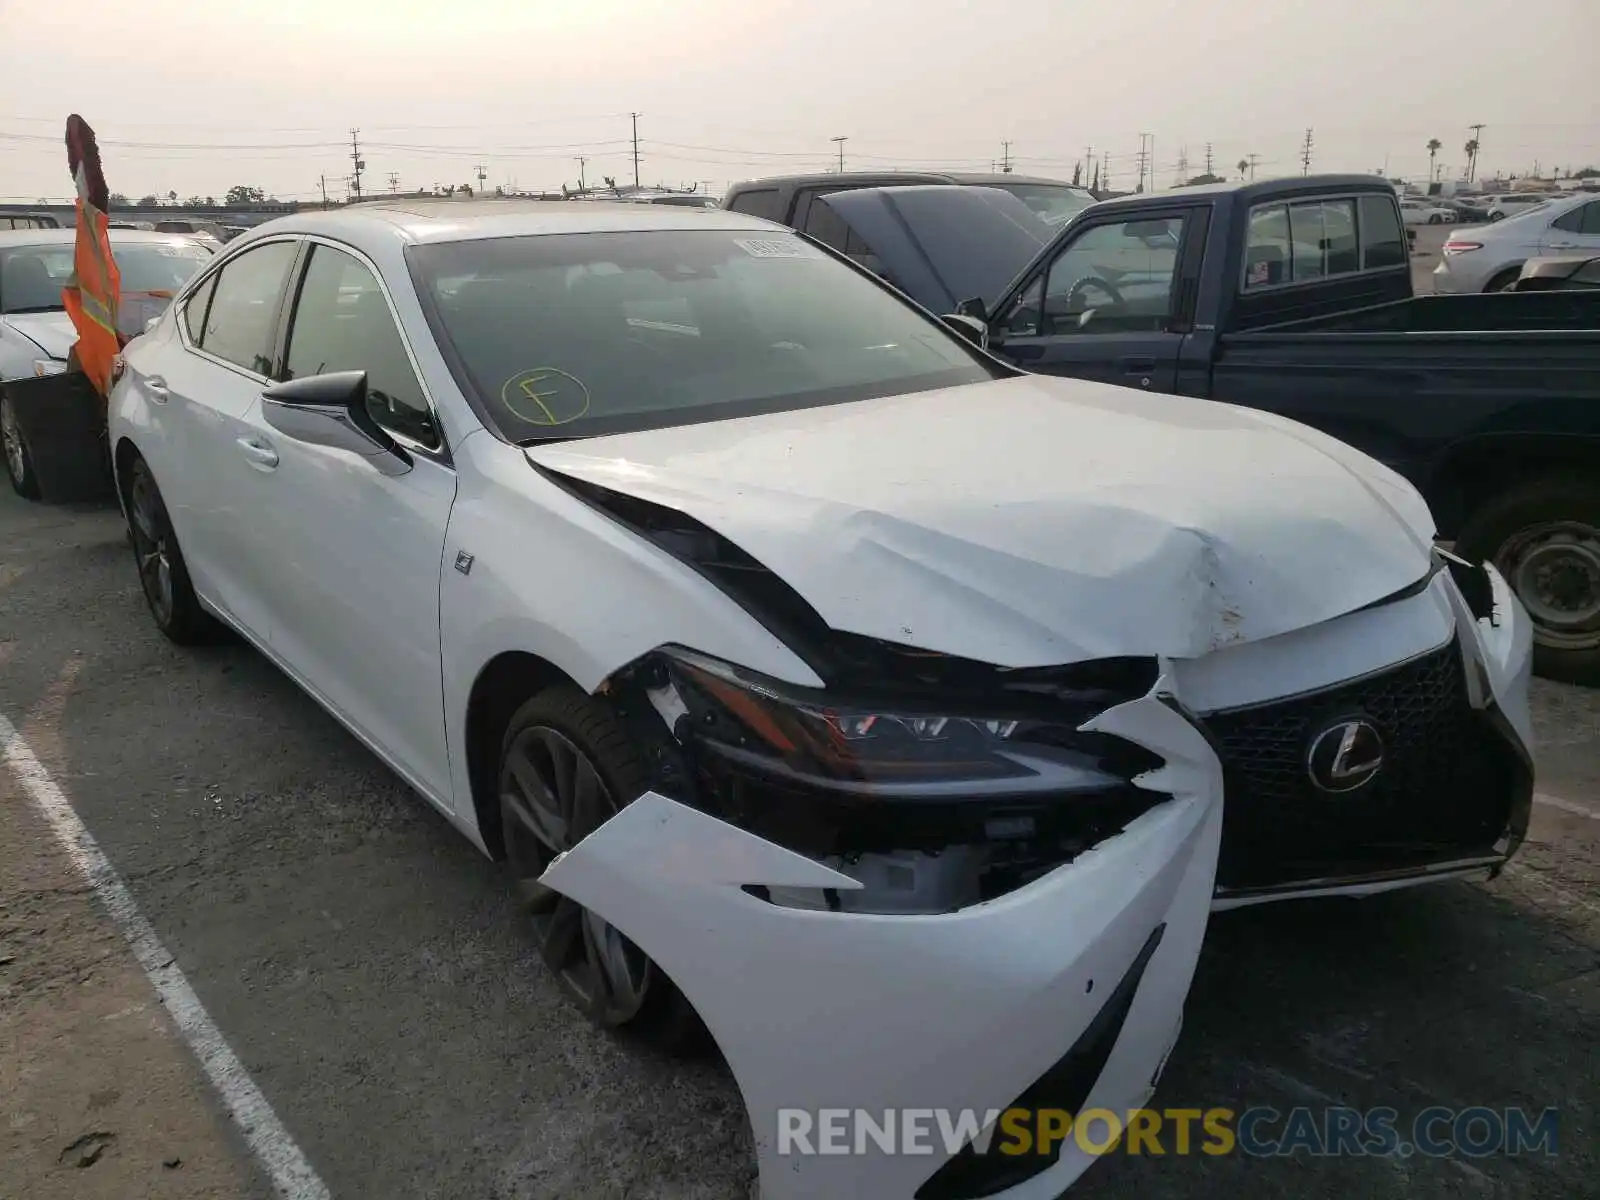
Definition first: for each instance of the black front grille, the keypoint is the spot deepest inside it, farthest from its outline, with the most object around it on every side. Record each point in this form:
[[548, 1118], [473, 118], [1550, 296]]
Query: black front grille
[[1445, 788]]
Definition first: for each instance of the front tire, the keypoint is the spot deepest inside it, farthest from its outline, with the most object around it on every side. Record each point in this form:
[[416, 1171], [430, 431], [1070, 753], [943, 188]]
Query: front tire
[[163, 574], [566, 766], [1544, 537], [18, 459], [1436, 219], [1503, 281]]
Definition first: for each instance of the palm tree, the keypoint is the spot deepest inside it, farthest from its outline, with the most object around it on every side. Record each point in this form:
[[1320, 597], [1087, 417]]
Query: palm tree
[[1434, 146], [1472, 158], [1244, 165]]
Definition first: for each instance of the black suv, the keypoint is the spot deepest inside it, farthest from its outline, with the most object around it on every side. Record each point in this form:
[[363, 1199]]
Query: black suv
[[787, 199]]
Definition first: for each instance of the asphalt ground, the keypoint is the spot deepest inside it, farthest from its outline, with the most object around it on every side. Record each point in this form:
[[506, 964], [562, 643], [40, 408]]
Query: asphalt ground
[[361, 960]]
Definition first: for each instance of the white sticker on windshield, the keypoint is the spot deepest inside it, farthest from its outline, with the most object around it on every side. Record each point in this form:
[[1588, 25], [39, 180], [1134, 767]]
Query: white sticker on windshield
[[781, 247]]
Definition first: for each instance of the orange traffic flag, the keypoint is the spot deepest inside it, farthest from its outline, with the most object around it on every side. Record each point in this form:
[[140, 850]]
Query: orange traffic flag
[[94, 291]]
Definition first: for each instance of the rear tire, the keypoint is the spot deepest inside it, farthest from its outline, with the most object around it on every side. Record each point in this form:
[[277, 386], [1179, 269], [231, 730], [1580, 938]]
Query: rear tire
[[1436, 219], [1503, 281], [1544, 537], [567, 765], [163, 574], [18, 459], [1496, 216]]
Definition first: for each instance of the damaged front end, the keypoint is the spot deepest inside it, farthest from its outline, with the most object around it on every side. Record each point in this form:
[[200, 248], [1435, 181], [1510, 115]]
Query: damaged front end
[[1063, 992]]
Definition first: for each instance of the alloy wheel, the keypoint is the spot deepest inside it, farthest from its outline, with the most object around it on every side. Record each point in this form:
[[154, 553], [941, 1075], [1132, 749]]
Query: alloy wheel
[[152, 540], [551, 798], [11, 436]]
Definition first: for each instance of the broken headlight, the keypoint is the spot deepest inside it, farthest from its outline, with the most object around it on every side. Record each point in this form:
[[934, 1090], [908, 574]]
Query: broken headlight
[[886, 746], [931, 797]]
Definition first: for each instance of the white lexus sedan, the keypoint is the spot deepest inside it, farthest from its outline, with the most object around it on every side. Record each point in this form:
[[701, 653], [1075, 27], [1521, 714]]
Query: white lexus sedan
[[819, 677]]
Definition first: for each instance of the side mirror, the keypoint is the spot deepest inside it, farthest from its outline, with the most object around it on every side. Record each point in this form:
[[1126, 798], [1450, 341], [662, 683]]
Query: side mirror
[[974, 308], [974, 330], [331, 410]]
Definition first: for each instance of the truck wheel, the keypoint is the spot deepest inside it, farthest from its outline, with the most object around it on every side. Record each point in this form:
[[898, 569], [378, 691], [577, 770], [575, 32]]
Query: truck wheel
[[19, 463], [567, 765], [1544, 537]]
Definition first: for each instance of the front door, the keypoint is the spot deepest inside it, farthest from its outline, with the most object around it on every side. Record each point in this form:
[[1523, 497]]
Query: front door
[[1065, 994], [354, 592], [1108, 305]]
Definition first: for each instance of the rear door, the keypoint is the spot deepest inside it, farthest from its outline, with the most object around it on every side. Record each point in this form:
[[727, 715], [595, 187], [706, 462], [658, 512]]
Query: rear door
[[1065, 994], [1576, 230], [1113, 303], [202, 391]]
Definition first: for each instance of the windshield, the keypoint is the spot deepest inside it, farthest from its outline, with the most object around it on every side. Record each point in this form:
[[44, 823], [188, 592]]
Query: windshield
[[1055, 203], [569, 335], [31, 277]]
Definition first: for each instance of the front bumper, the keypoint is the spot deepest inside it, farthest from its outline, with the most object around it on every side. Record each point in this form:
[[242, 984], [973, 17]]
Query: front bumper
[[1066, 993], [1452, 800]]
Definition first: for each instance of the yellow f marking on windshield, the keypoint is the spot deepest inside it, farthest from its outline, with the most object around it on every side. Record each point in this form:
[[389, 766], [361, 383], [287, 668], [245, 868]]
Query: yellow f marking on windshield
[[545, 396]]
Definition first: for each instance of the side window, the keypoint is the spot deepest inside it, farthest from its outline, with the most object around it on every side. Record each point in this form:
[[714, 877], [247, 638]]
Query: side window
[[1591, 218], [194, 311], [342, 323], [244, 307], [1022, 318], [1383, 242], [1115, 277], [1571, 221], [1268, 251], [826, 226], [759, 202], [1323, 233]]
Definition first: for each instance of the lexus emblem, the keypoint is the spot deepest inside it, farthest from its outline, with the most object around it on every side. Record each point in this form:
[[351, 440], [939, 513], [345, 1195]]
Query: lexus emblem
[[1346, 755]]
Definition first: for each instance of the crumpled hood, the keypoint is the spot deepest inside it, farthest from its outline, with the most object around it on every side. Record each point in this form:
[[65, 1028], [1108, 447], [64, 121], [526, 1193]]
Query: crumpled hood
[[1036, 521], [52, 332]]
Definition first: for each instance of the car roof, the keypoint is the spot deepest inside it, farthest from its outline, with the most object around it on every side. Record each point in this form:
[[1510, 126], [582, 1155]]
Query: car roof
[[66, 237], [891, 177], [1289, 186], [465, 220]]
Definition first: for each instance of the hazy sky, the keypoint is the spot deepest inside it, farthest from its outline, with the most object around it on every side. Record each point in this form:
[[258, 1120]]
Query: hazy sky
[[195, 97]]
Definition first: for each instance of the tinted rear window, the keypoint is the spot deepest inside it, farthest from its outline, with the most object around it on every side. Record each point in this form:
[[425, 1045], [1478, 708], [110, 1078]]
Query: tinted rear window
[[759, 202]]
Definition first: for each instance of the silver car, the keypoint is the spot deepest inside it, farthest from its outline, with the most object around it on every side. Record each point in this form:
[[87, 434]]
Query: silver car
[[1488, 258]]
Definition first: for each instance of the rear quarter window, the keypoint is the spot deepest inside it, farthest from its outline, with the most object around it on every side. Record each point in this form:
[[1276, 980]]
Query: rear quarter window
[[759, 202]]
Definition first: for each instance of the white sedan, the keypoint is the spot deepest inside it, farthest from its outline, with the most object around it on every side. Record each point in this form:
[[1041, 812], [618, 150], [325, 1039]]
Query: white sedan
[[818, 676], [35, 331], [1423, 212]]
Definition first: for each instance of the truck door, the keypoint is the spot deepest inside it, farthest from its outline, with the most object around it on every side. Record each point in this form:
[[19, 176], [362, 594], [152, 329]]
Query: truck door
[[1114, 303]]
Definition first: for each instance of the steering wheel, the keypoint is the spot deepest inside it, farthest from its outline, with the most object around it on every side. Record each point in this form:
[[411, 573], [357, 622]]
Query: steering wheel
[[1079, 287]]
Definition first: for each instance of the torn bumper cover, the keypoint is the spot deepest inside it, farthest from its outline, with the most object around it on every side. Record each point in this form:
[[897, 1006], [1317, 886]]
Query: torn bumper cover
[[1065, 992]]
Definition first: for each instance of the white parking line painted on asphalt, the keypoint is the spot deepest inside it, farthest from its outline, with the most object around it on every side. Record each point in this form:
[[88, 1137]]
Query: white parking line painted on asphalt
[[291, 1174], [1566, 806]]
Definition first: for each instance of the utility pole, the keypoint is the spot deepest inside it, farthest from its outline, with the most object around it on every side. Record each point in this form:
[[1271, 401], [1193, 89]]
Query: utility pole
[[394, 181], [483, 176], [323, 180], [839, 142], [1472, 159], [1253, 159], [1105, 171], [1183, 166], [582, 163], [1305, 155], [635, 117], [1143, 161], [1208, 158], [1005, 158], [355, 158]]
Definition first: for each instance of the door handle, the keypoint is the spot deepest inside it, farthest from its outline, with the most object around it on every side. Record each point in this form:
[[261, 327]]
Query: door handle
[[1563, 245], [1143, 368], [259, 451], [156, 388]]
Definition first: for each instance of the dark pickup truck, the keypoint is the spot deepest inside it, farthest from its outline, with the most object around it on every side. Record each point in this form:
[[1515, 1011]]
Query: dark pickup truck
[[1294, 296]]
